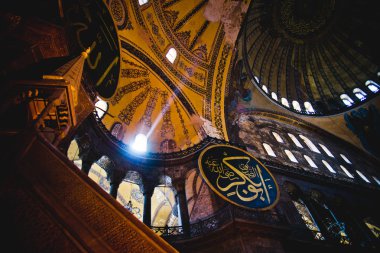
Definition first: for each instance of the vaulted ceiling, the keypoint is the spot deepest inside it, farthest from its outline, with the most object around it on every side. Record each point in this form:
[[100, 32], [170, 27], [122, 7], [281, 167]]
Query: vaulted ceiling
[[167, 101]]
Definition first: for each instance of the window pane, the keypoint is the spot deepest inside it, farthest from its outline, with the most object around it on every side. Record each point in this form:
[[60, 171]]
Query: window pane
[[346, 171], [265, 88], [295, 140], [362, 176], [328, 166], [291, 156], [101, 107], [311, 162], [171, 55], [278, 137], [274, 96], [376, 180], [269, 150], [372, 86], [309, 108], [141, 2], [345, 159], [326, 150], [296, 106], [311, 145], [285, 102]]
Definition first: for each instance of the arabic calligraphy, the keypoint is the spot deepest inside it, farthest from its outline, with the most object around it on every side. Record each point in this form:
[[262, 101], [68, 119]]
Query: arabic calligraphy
[[92, 27], [238, 177]]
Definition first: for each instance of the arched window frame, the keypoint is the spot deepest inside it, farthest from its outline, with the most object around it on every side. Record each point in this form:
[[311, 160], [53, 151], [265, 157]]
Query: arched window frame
[[372, 86], [310, 161], [269, 149], [291, 156], [346, 171], [310, 144], [274, 96], [376, 180], [142, 2], [285, 102], [328, 166], [363, 176], [116, 129], [296, 105], [346, 100], [277, 137], [265, 89], [171, 55], [361, 95], [308, 107], [345, 159], [295, 140], [101, 107], [327, 151]]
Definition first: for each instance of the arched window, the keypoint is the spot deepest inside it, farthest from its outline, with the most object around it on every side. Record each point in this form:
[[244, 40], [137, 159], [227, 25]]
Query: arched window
[[171, 55], [308, 219], [116, 129], [362, 176], [278, 137], [346, 100], [291, 156], [328, 166], [269, 150], [274, 96], [164, 207], [257, 80], [311, 162], [130, 196], [295, 140], [311, 145], [376, 180], [346, 171], [309, 108], [285, 102], [359, 94], [345, 159], [265, 88], [142, 2], [326, 150], [372, 86], [296, 105], [101, 108]]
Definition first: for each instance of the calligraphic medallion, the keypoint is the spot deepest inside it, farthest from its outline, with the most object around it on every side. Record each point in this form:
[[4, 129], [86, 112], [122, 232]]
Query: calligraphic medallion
[[238, 177], [91, 26]]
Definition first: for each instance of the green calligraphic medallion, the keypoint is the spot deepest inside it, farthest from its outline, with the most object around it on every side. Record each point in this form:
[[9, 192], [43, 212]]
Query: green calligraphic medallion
[[238, 177], [91, 26]]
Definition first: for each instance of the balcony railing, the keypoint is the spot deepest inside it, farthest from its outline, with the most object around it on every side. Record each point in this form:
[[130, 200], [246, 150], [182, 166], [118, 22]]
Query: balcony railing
[[223, 217]]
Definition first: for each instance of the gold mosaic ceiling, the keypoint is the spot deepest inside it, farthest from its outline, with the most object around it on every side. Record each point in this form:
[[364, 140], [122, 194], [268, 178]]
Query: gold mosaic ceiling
[[167, 101]]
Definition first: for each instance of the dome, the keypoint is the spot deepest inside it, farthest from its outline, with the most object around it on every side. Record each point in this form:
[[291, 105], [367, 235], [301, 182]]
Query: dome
[[312, 52]]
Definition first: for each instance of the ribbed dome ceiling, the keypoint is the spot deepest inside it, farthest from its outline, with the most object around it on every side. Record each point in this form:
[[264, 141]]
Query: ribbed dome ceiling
[[313, 51]]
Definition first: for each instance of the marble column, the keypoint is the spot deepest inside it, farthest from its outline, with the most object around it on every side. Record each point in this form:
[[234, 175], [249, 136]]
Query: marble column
[[179, 186], [148, 189]]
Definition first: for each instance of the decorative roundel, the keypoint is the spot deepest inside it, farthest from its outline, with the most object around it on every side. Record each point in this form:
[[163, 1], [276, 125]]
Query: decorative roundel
[[238, 177]]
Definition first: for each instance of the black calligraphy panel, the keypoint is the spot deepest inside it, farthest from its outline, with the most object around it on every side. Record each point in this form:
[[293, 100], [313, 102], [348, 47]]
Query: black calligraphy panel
[[91, 26], [238, 177]]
